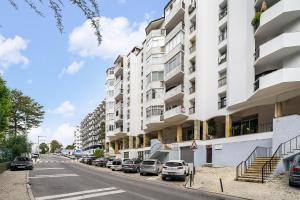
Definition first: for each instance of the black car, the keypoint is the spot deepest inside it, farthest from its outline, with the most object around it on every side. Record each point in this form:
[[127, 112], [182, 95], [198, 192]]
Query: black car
[[89, 160], [21, 163], [294, 175]]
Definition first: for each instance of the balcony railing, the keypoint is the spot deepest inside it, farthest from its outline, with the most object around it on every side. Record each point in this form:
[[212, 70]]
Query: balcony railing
[[174, 111], [222, 36], [222, 13], [192, 89], [222, 104], [256, 54], [178, 89], [193, 48], [222, 81], [256, 85], [192, 69], [222, 58], [192, 7], [192, 28], [192, 110]]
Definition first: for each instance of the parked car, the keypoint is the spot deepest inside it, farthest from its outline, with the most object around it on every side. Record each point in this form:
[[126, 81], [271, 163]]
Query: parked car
[[101, 162], [151, 166], [109, 162], [117, 164], [132, 165], [89, 160], [21, 163], [35, 155], [294, 175], [175, 169]]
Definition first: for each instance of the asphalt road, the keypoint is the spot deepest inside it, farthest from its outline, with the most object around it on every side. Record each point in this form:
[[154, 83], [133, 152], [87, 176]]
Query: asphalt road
[[60, 178]]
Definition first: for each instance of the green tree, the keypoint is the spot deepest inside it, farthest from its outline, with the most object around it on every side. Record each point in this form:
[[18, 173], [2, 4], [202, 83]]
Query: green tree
[[70, 147], [55, 146], [89, 8], [18, 144], [98, 153], [5, 107], [26, 113], [44, 148]]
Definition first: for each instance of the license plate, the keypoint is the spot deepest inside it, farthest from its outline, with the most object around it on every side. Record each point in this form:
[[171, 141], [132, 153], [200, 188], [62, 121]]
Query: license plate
[[171, 173], [21, 167]]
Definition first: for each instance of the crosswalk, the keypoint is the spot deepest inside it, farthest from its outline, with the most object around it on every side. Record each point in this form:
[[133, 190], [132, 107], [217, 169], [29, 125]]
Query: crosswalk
[[56, 161], [86, 194]]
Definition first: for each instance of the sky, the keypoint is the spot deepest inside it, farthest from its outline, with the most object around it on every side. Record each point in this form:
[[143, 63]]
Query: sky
[[66, 72]]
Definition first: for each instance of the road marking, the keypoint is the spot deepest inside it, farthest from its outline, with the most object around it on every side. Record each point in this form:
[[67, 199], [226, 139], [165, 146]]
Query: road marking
[[75, 193], [48, 168], [95, 195], [54, 176]]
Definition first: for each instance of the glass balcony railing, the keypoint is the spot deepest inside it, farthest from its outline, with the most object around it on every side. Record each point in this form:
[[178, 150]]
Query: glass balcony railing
[[223, 13], [222, 81]]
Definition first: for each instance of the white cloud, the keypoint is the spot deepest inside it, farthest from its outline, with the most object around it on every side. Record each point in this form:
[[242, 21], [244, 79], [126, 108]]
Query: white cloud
[[122, 1], [119, 36], [66, 109], [29, 81], [73, 68], [10, 52]]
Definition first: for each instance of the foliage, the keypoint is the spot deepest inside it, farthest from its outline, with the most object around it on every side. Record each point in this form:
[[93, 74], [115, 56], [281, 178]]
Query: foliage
[[256, 19], [89, 8], [98, 153], [18, 144], [55, 146], [70, 147], [26, 113], [44, 148], [5, 106], [211, 127]]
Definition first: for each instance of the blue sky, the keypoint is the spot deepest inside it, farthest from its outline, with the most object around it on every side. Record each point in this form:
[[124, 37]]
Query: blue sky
[[66, 72]]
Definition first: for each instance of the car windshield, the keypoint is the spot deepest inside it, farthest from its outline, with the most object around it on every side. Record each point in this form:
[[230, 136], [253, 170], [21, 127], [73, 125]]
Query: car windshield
[[148, 162], [117, 162], [173, 164], [128, 162], [22, 159]]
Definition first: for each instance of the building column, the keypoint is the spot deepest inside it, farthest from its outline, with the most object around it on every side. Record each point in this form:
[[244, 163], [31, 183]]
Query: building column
[[116, 147], [146, 140], [228, 126], [205, 130], [137, 141], [160, 136], [179, 133], [278, 109], [123, 144], [197, 128], [130, 142]]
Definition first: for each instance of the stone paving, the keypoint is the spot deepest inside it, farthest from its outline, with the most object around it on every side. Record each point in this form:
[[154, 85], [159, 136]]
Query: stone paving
[[208, 179], [13, 185]]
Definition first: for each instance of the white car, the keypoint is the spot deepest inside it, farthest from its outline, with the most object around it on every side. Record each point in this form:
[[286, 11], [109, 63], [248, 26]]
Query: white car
[[175, 169], [117, 164]]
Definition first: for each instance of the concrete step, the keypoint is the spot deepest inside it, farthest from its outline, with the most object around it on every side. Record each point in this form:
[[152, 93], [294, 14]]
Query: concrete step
[[249, 180]]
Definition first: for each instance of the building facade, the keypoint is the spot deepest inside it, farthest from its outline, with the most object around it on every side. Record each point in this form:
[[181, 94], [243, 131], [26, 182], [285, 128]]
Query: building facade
[[77, 139], [90, 128], [208, 72]]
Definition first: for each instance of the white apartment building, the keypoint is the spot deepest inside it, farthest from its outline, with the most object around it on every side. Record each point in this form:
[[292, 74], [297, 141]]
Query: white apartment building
[[77, 139], [90, 128], [205, 73]]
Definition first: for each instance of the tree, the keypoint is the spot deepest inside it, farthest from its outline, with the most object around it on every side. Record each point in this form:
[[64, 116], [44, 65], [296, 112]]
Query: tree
[[98, 153], [5, 105], [26, 113], [54, 146], [70, 147], [18, 144], [89, 8], [102, 134], [44, 148]]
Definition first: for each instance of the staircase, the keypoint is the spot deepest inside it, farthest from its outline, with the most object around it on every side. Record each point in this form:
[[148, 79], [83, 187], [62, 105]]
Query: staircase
[[261, 163]]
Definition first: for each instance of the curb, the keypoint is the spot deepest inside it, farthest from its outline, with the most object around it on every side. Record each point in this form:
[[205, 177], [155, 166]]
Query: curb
[[217, 194], [28, 187]]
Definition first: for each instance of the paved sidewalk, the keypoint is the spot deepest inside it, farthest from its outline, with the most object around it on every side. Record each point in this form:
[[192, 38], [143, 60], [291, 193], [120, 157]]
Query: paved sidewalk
[[208, 179], [13, 185]]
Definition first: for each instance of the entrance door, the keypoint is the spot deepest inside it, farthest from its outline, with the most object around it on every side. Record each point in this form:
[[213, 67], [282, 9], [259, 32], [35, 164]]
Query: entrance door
[[208, 154]]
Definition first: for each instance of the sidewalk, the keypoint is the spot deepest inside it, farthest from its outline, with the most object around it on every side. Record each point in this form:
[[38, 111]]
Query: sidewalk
[[13, 185], [208, 179]]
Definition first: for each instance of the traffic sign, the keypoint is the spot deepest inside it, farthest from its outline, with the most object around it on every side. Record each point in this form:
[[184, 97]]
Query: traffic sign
[[194, 146]]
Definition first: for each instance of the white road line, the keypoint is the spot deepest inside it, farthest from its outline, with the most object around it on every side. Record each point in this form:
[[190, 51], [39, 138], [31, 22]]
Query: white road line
[[54, 176], [95, 195], [74, 193], [48, 168]]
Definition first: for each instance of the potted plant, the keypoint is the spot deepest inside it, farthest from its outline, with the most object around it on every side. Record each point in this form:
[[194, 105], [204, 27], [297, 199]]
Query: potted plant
[[256, 20]]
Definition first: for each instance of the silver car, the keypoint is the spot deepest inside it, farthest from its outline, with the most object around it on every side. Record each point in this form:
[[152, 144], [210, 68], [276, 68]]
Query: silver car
[[151, 166], [294, 175]]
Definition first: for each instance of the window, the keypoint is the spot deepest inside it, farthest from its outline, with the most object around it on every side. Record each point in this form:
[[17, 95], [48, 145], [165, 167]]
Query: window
[[111, 93], [110, 105], [154, 111], [174, 63], [222, 102], [157, 76], [128, 114], [174, 42], [154, 94]]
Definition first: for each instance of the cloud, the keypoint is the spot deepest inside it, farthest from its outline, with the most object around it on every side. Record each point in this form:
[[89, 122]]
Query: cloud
[[119, 36], [29, 81], [121, 1], [66, 109], [10, 52], [64, 133], [73, 68]]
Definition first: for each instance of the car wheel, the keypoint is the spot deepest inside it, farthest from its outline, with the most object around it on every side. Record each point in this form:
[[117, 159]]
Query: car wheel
[[137, 170], [164, 178], [291, 183], [142, 174]]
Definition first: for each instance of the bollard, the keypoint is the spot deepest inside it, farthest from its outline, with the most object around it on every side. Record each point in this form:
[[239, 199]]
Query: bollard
[[221, 184], [191, 177]]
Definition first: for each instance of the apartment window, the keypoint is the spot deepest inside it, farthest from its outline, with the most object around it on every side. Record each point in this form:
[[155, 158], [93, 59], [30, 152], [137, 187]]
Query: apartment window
[[222, 78], [111, 72], [110, 82], [154, 94], [110, 93], [111, 127], [128, 114], [222, 101], [174, 63], [110, 105], [176, 40], [154, 111], [157, 76], [128, 101]]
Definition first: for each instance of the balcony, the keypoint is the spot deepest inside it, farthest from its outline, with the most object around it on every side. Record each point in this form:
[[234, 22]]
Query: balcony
[[273, 52], [118, 69], [193, 48], [175, 75], [192, 8], [222, 82], [176, 114], [174, 13], [277, 16], [119, 94], [223, 13], [174, 94], [119, 118], [192, 69], [222, 104], [154, 122], [222, 36], [192, 110], [192, 90], [222, 59], [155, 50]]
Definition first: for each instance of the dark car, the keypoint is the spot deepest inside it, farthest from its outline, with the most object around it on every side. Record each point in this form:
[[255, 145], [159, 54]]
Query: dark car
[[21, 163], [89, 160], [294, 175], [101, 162], [132, 165]]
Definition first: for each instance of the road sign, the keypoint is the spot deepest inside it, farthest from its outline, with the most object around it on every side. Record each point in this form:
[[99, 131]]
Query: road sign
[[194, 146]]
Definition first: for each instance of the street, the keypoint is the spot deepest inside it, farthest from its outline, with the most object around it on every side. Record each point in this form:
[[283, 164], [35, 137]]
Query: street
[[60, 178]]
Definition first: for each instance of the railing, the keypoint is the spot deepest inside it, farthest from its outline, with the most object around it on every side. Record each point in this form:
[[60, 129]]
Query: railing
[[258, 152], [222, 36], [192, 110], [222, 58], [223, 13], [281, 151], [256, 54], [192, 89], [192, 28], [222, 81], [256, 85], [192, 69], [193, 48]]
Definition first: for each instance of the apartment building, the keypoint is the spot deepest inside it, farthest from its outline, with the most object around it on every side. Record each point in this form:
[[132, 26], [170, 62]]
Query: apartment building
[[208, 72], [90, 128], [77, 139]]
